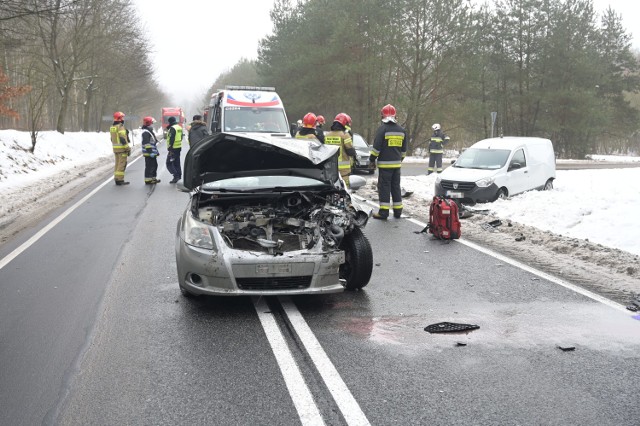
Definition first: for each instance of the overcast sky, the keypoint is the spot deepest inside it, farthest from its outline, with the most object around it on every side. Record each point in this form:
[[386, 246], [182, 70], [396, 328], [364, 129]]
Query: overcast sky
[[197, 40]]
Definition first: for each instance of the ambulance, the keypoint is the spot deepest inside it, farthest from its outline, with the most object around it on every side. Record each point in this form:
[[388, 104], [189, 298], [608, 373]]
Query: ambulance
[[247, 109]]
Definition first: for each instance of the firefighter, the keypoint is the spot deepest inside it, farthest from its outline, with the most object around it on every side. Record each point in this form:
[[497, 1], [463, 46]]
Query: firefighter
[[149, 151], [174, 146], [389, 149], [319, 130], [197, 130], [338, 136], [438, 139], [308, 129], [121, 148]]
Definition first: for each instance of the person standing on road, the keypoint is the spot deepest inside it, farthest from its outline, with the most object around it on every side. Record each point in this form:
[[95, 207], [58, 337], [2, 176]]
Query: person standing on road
[[174, 146], [389, 149], [308, 129], [338, 136], [197, 130], [438, 140], [149, 151], [121, 149]]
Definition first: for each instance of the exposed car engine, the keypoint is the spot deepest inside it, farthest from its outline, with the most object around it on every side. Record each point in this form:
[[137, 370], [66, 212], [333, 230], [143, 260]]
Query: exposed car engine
[[280, 223]]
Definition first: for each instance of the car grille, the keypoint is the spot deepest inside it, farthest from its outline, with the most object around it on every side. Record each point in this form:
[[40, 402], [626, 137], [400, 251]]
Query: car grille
[[274, 283], [461, 186]]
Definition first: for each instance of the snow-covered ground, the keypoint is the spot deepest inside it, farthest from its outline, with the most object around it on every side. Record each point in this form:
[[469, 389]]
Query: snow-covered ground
[[590, 214]]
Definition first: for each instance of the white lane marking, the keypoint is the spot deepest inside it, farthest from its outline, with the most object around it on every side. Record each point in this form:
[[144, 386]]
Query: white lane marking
[[8, 258], [300, 394], [349, 407], [527, 268], [534, 271]]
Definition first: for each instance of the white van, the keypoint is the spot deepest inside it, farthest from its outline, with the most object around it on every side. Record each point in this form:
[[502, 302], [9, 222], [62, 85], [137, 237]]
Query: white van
[[497, 168], [247, 109]]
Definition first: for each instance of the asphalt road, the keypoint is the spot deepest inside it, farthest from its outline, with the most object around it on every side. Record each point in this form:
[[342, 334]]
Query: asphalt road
[[93, 330]]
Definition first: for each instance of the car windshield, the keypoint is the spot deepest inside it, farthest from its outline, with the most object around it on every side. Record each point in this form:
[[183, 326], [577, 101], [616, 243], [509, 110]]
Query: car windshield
[[474, 158], [358, 142], [263, 120], [261, 183]]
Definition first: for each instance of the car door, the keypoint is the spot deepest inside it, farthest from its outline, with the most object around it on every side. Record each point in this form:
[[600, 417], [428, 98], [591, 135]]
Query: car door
[[518, 173]]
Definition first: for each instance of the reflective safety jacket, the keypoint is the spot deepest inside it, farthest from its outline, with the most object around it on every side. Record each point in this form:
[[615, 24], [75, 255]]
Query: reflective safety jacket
[[119, 137], [437, 141], [344, 141], [306, 133], [149, 141], [389, 146], [174, 137]]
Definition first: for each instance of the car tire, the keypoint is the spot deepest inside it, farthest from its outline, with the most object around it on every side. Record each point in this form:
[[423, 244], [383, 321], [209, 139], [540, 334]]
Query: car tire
[[502, 194], [356, 270], [548, 186]]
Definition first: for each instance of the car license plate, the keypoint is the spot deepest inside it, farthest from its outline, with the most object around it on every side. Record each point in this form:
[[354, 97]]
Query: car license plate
[[281, 268], [455, 194]]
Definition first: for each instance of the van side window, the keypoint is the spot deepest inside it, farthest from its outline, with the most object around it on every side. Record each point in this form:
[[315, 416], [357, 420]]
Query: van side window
[[518, 157]]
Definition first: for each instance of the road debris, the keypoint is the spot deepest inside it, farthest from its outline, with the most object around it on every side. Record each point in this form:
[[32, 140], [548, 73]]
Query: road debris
[[635, 304], [450, 327], [566, 348]]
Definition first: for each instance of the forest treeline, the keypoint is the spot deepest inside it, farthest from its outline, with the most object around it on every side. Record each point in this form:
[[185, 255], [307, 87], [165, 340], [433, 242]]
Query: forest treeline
[[548, 68], [69, 64]]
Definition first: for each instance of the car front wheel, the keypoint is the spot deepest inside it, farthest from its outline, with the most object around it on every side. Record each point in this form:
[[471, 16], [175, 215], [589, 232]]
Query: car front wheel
[[502, 194], [358, 260], [548, 186]]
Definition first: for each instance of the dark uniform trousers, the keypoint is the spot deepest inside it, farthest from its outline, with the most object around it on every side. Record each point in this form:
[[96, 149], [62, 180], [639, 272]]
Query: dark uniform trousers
[[389, 184], [173, 163], [435, 159]]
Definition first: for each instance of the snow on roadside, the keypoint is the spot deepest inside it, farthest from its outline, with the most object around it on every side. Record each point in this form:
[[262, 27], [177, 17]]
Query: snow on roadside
[[54, 153]]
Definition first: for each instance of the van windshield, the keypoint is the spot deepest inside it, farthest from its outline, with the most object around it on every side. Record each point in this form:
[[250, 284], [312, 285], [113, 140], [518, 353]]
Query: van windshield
[[490, 159], [262, 120]]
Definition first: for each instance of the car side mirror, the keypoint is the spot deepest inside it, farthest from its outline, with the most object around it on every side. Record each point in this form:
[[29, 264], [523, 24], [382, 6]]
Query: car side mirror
[[515, 166]]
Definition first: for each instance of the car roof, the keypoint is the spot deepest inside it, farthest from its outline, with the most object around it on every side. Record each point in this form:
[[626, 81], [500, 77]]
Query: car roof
[[510, 142]]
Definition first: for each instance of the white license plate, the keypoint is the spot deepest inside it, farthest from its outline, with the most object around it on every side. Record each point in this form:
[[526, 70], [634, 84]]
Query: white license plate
[[455, 194]]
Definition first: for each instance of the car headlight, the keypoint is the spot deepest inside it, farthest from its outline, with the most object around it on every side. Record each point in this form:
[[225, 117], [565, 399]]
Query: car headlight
[[438, 178], [483, 183], [197, 234]]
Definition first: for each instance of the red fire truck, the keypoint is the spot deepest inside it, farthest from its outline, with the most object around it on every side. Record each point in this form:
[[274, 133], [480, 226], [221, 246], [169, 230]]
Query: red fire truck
[[175, 112]]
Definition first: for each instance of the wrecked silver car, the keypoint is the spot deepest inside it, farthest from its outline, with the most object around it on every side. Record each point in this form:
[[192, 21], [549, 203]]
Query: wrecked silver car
[[269, 217]]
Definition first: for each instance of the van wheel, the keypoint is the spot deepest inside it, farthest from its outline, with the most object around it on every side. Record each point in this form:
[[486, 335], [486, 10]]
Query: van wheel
[[548, 186], [502, 194]]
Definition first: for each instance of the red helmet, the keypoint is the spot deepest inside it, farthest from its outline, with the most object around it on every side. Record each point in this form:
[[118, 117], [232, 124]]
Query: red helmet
[[118, 116], [342, 118], [388, 111], [348, 119], [309, 120], [320, 119], [148, 121]]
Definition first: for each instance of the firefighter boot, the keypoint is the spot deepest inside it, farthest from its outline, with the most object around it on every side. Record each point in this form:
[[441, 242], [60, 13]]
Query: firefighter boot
[[380, 215], [121, 182], [397, 213]]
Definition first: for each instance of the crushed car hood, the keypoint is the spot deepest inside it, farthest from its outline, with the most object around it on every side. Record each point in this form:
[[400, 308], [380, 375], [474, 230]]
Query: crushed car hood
[[229, 155]]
